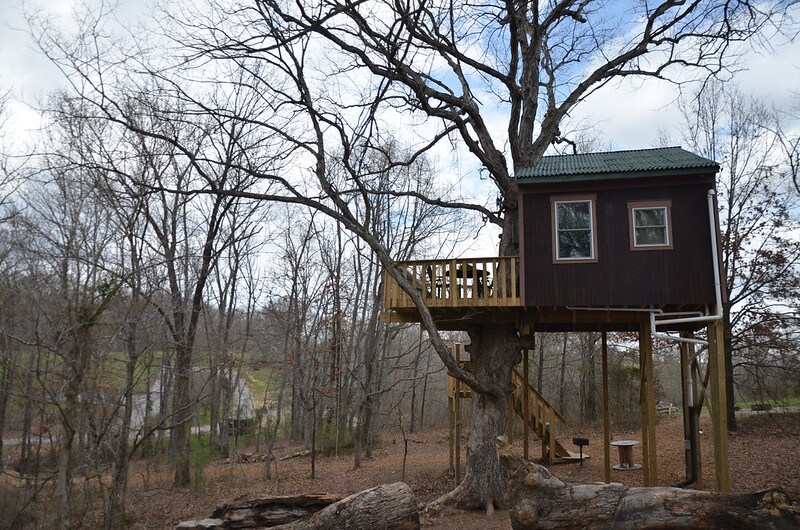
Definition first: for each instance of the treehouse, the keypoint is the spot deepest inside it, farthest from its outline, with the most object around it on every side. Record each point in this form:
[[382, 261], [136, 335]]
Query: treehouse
[[613, 241]]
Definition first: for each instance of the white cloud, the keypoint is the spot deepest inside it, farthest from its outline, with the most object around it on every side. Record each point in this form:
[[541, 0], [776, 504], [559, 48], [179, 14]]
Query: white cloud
[[631, 113], [628, 114]]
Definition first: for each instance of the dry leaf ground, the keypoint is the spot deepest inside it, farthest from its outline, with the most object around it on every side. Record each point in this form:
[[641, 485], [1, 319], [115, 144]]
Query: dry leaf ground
[[763, 453]]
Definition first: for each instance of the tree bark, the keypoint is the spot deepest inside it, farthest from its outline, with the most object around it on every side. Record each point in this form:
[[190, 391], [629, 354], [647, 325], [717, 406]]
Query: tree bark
[[5, 386], [214, 406], [493, 354], [389, 507], [65, 456], [414, 382], [590, 379], [26, 448], [116, 503], [425, 390], [542, 500], [182, 414]]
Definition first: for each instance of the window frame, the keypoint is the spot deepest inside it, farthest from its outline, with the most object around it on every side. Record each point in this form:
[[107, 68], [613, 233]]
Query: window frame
[[554, 202], [664, 204]]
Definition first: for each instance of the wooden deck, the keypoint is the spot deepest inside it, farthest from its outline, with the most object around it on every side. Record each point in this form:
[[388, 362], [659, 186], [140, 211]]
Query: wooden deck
[[456, 283]]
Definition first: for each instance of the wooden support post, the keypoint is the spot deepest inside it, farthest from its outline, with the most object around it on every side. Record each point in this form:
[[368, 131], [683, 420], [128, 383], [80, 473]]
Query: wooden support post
[[526, 405], [718, 401], [648, 405], [457, 448], [686, 400], [694, 369], [451, 427], [606, 419], [651, 396], [643, 408], [451, 284], [543, 418], [690, 373]]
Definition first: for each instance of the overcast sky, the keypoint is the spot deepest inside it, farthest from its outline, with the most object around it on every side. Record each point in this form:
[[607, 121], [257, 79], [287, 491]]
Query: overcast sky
[[625, 115]]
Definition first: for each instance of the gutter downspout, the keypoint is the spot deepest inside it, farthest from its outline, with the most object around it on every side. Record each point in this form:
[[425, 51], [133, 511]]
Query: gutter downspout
[[712, 228], [693, 442]]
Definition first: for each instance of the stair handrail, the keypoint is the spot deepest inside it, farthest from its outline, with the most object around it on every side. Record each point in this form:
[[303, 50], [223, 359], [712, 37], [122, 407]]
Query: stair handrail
[[517, 377]]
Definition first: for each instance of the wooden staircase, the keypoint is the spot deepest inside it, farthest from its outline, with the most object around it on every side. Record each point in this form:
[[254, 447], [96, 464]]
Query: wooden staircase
[[543, 419]]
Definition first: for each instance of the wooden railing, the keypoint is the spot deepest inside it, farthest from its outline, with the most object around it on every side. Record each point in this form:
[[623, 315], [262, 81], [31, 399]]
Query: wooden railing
[[474, 282], [543, 419]]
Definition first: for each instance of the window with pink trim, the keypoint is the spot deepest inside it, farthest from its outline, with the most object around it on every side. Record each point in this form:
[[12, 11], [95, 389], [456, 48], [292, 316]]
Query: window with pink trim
[[574, 226], [650, 225]]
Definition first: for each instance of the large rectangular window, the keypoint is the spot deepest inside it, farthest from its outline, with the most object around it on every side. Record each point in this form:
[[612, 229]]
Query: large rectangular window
[[650, 225], [574, 226]]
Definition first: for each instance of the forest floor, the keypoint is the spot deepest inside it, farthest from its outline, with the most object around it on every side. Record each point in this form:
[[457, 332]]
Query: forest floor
[[763, 453]]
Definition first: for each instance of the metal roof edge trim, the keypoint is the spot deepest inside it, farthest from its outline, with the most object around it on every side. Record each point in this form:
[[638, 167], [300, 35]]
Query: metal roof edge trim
[[701, 170]]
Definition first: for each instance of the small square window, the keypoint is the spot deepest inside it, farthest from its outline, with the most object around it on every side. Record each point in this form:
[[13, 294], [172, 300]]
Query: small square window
[[574, 232], [650, 225]]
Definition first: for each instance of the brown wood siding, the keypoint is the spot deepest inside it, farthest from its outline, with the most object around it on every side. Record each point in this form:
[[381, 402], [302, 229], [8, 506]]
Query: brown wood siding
[[621, 277]]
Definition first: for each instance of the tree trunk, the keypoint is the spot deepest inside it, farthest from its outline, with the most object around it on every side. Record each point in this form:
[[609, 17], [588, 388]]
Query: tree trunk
[[116, 503], [415, 373], [542, 500], [65, 456], [27, 419], [167, 378], [425, 391], [367, 410], [227, 387], [729, 390], [214, 406], [493, 354], [389, 507], [182, 415], [296, 413], [591, 380], [377, 401], [5, 386], [314, 427], [357, 444]]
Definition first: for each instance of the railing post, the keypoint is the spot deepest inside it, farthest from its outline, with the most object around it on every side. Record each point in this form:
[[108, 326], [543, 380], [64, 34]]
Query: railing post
[[514, 294], [451, 275], [526, 405]]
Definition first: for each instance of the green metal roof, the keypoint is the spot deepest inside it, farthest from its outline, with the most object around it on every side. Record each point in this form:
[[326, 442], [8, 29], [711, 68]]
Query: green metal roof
[[664, 161]]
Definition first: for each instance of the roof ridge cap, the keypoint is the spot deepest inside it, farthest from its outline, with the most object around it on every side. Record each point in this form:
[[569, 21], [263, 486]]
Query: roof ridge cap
[[664, 148]]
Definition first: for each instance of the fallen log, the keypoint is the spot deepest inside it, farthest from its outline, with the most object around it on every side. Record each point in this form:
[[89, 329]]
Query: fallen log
[[542, 500], [264, 512], [390, 507], [296, 455]]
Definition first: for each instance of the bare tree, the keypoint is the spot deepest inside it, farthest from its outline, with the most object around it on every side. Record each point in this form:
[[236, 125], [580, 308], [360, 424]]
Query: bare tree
[[760, 254], [6, 363], [70, 244], [228, 321], [449, 63]]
